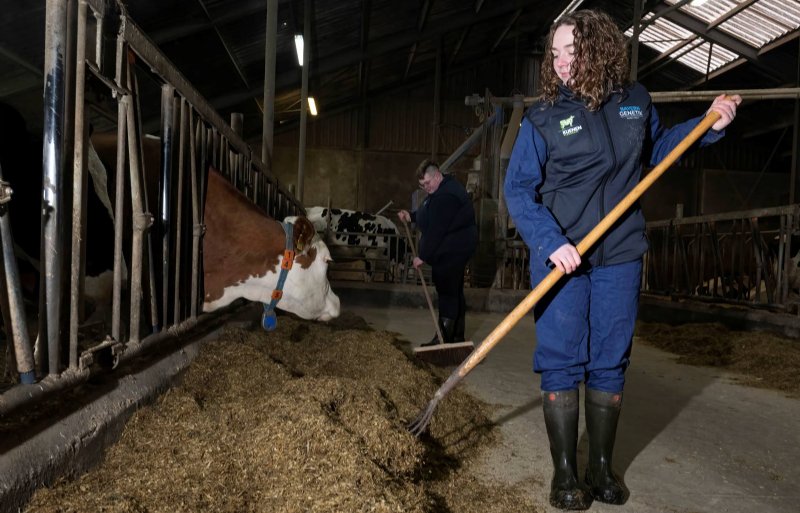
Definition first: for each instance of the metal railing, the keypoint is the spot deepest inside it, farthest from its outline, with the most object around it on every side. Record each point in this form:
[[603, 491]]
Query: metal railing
[[745, 258], [381, 257], [163, 265], [748, 258]]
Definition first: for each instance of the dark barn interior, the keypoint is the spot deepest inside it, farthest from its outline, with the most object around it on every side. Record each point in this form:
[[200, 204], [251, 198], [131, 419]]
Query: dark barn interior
[[112, 113]]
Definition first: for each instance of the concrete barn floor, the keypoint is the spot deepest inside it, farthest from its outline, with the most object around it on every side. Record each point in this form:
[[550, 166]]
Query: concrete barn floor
[[690, 440]]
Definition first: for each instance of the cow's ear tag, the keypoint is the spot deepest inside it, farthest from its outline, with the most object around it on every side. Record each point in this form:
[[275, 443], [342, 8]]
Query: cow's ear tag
[[269, 321]]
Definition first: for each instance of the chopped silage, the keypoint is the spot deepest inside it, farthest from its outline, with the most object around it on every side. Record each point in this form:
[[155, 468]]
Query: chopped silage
[[311, 417]]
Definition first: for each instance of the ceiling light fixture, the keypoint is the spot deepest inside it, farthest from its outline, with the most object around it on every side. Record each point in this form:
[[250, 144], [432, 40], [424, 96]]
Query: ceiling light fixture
[[697, 3], [312, 106], [298, 44]]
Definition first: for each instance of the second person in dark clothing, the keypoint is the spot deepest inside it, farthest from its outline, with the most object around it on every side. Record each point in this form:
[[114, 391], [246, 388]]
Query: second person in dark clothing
[[446, 219]]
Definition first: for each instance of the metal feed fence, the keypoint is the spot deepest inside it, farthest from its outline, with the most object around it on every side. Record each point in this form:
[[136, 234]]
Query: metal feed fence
[[749, 258], [157, 288], [746, 258]]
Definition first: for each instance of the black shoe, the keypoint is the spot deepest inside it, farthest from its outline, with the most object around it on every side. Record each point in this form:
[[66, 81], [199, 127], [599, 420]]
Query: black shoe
[[561, 419], [446, 326], [602, 413]]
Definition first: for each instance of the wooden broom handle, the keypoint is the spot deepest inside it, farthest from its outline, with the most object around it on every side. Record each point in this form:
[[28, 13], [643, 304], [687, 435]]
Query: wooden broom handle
[[583, 246], [424, 287]]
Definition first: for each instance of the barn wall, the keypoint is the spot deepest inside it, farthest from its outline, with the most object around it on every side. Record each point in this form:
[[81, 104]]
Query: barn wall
[[386, 176], [732, 152], [399, 138], [366, 169], [328, 174], [713, 191], [394, 124]]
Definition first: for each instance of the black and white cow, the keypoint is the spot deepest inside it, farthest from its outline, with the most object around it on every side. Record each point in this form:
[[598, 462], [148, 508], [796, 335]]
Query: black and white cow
[[354, 235]]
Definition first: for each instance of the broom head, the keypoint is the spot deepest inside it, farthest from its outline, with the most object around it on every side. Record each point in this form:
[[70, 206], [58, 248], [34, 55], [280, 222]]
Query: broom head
[[445, 355]]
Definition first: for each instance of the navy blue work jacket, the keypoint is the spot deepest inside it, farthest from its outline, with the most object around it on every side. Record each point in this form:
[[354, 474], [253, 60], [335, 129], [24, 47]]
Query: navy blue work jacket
[[570, 166]]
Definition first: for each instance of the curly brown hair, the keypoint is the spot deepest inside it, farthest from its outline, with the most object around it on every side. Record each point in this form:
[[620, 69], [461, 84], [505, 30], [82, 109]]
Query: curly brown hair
[[600, 65]]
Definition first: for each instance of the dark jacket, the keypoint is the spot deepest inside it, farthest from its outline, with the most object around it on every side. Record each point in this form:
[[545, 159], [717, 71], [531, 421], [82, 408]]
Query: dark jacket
[[446, 219], [570, 166]]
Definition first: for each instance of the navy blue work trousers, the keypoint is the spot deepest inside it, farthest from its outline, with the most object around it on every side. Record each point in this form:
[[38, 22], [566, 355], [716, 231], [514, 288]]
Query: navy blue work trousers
[[584, 327], [448, 277]]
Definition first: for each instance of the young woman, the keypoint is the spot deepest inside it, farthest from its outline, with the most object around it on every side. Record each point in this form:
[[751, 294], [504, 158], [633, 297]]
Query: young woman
[[578, 153]]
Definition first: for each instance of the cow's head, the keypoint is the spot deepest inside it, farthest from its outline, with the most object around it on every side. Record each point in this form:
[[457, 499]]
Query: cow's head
[[307, 292]]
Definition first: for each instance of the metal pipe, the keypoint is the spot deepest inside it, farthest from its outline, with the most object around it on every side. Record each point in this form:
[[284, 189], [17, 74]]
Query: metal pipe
[[11, 359], [18, 396], [52, 172], [497, 133], [98, 40], [301, 156], [466, 145], [746, 94], [79, 184], [785, 93], [197, 229], [176, 308], [160, 65], [135, 110], [23, 352], [379, 212], [237, 123], [164, 210], [437, 102], [268, 121], [634, 40], [505, 154], [119, 206], [513, 128], [224, 153], [141, 222], [174, 338], [728, 216], [795, 143], [116, 299]]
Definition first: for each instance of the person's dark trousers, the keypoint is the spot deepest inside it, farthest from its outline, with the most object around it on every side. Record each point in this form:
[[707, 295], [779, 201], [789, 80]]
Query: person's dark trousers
[[561, 419], [602, 414], [448, 278], [461, 320]]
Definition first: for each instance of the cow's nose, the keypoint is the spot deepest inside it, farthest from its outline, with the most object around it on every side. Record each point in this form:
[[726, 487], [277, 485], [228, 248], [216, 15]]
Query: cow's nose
[[332, 307]]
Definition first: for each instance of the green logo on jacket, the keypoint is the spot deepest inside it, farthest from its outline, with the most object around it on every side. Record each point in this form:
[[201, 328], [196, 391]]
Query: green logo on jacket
[[567, 127]]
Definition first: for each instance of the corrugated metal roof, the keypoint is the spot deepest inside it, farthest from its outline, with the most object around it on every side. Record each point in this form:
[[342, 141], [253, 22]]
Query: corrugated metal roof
[[756, 25], [219, 46], [670, 38]]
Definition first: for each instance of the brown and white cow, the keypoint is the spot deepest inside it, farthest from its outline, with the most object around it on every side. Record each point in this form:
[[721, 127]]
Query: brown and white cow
[[243, 247], [242, 254]]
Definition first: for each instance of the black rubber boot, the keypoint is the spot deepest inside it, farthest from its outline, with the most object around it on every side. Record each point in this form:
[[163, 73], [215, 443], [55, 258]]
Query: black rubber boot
[[602, 413], [446, 326], [561, 418]]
